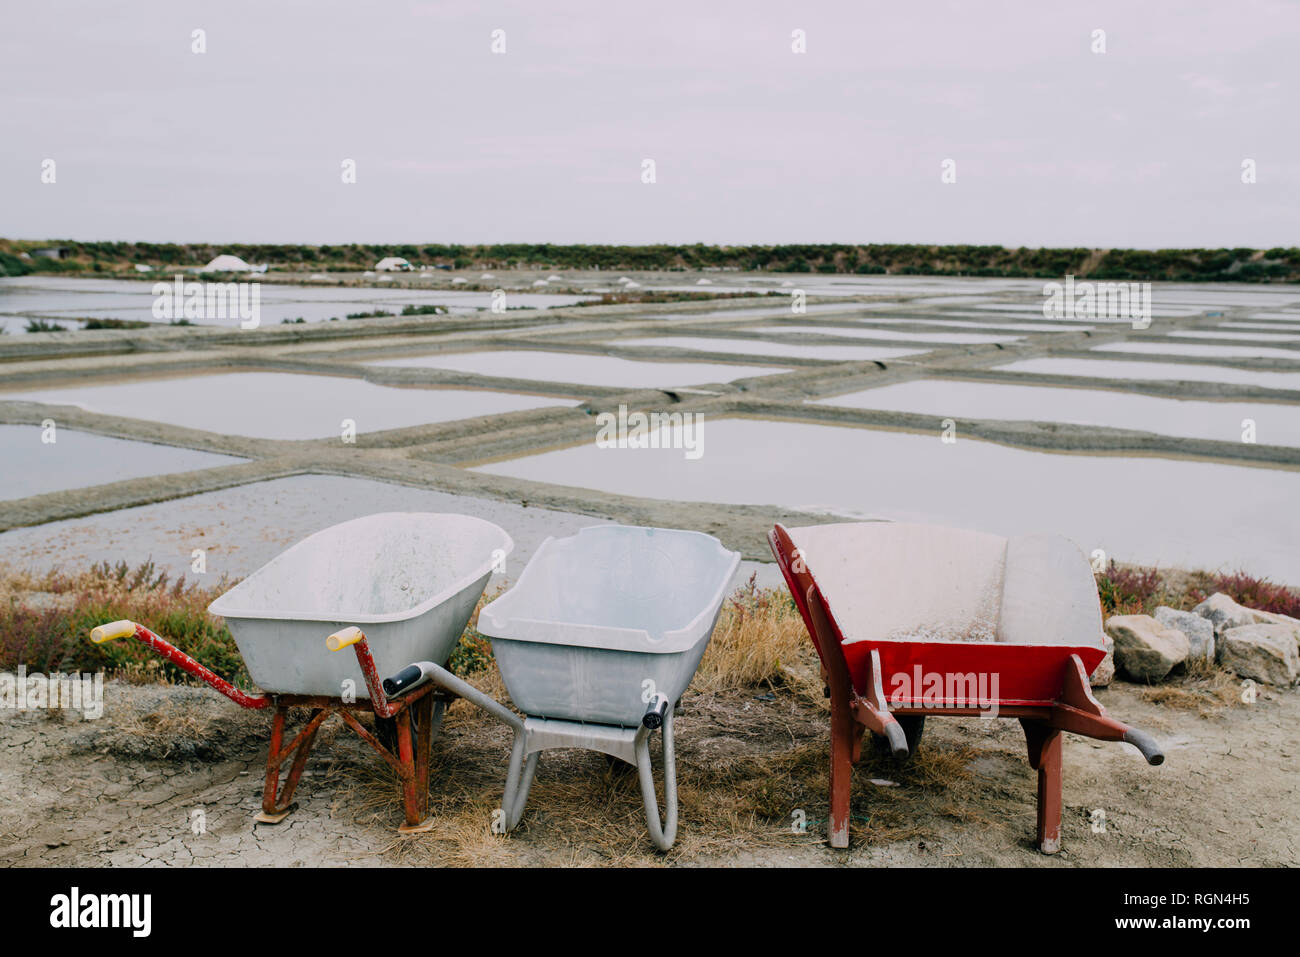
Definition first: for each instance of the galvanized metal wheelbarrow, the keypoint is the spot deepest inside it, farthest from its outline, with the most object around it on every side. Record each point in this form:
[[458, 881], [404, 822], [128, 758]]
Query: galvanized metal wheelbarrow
[[596, 644], [412, 579], [951, 622]]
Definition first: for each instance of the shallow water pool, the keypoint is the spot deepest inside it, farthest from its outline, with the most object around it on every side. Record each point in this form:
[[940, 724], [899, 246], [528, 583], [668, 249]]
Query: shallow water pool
[[1141, 509], [1275, 423], [282, 405], [1124, 369], [1196, 349], [79, 459]]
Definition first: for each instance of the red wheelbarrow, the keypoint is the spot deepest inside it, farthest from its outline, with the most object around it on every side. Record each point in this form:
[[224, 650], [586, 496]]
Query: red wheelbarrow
[[952, 623], [412, 579], [416, 720]]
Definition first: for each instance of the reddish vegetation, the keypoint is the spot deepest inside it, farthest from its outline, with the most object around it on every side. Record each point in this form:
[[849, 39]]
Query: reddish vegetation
[[1253, 593]]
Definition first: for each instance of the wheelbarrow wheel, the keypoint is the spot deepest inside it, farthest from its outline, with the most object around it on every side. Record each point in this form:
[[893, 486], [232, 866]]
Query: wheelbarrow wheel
[[386, 732]]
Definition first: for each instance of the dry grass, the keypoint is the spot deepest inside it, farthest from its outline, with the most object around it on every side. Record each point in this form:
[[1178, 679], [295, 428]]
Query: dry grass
[[1205, 689], [760, 641]]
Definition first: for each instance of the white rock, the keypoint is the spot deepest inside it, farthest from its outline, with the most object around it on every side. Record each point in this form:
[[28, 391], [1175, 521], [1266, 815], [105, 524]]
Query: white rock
[[1199, 631], [1263, 652], [1224, 613], [1146, 650]]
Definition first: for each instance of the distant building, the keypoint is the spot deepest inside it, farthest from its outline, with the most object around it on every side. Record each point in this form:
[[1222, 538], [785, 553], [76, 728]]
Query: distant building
[[393, 264], [50, 252]]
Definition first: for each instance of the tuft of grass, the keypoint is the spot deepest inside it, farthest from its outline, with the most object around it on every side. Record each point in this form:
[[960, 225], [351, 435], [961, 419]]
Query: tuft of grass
[[42, 325], [1206, 690], [93, 323], [760, 641]]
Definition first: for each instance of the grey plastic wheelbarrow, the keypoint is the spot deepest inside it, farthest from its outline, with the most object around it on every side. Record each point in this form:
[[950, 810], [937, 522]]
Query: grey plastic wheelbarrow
[[596, 645]]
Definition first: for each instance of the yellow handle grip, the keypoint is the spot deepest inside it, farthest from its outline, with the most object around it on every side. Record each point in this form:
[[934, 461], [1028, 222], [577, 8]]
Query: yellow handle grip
[[114, 629], [344, 637]]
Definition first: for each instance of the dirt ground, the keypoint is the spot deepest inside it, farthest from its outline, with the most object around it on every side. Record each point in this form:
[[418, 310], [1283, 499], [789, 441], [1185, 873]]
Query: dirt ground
[[132, 788]]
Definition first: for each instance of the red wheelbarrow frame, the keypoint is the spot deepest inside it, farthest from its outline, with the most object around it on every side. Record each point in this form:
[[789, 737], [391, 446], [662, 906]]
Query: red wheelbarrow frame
[[417, 715], [1047, 690]]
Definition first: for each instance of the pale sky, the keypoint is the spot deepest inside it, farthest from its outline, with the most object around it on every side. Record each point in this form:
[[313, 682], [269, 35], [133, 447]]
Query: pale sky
[[1054, 145]]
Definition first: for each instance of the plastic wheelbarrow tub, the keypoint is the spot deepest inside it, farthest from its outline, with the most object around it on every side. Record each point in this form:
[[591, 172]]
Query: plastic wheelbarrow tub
[[600, 618], [913, 621], [410, 580], [596, 644]]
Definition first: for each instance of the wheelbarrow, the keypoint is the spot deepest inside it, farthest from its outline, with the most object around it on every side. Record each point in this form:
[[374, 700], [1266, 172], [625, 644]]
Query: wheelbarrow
[[411, 580], [951, 622], [596, 644]]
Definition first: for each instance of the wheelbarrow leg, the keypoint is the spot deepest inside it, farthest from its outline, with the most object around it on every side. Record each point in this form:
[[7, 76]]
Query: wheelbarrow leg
[[1045, 756], [415, 770], [277, 806], [423, 745], [845, 734], [519, 779], [662, 833]]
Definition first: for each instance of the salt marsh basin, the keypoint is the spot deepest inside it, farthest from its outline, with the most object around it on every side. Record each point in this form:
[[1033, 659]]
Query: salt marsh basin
[[1139, 453], [1137, 507], [279, 405]]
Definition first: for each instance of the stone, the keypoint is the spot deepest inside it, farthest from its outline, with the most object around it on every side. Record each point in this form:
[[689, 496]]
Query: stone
[[1272, 618], [1224, 613], [1104, 673], [1146, 650], [1199, 631], [1264, 652]]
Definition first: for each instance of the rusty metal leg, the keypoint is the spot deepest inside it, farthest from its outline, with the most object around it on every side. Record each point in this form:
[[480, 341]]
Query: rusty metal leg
[[1045, 755], [423, 744], [844, 731], [277, 805], [415, 821], [303, 744], [273, 759]]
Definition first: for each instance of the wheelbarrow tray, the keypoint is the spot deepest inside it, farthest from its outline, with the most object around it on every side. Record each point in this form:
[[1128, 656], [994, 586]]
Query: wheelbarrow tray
[[874, 596], [1034, 593], [602, 620], [411, 580]]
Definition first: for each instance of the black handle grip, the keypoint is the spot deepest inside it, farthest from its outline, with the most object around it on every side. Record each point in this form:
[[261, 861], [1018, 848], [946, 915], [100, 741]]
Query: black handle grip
[[402, 681], [1146, 744], [897, 738], [654, 713]]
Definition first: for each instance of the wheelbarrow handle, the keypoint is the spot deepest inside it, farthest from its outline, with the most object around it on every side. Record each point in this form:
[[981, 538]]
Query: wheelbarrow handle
[[354, 638], [897, 739], [127, 628], [1146, 744], [113, 630], [344, 637]]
